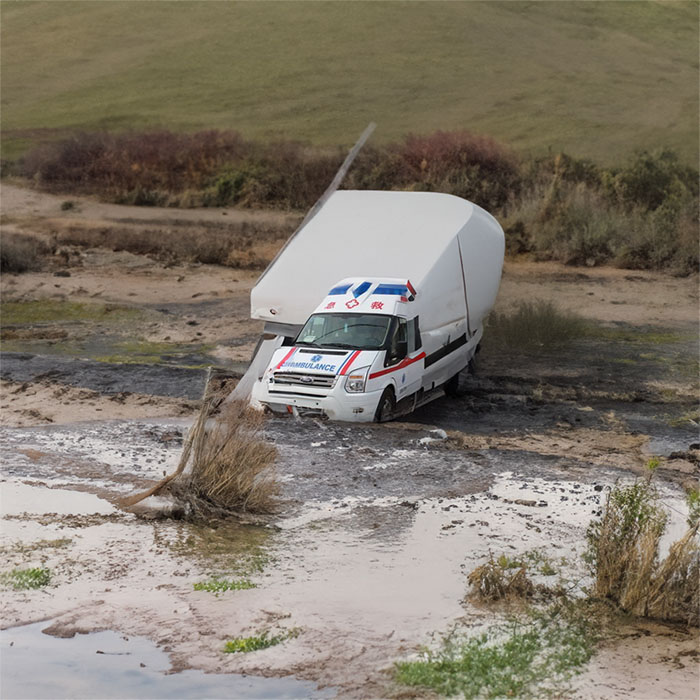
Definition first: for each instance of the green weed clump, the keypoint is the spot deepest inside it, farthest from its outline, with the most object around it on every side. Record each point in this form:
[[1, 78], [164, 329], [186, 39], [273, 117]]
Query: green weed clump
[[529, 657], [219, 585], [534, 326], [623, 549], [26, 579], [256, 642]]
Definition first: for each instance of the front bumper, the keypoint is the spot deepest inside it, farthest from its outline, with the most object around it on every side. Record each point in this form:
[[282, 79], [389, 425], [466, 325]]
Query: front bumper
[[337, 405]]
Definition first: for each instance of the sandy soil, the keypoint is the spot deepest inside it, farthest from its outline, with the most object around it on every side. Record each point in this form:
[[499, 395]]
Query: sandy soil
[[378, 525]]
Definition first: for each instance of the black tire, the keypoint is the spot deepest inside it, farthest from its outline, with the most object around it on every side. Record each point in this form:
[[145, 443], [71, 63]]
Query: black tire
[[451, 386], [386, 406]]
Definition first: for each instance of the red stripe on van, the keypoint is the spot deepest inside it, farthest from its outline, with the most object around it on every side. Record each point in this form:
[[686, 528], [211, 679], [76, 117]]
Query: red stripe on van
[[286, 357], [346, 367], [403, 364]]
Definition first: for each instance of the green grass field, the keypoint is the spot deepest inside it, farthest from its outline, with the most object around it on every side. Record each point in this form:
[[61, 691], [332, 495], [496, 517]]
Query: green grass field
[[596, 79]]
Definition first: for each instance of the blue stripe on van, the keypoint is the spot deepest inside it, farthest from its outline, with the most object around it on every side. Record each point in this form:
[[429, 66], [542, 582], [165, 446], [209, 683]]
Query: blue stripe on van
[[391, 289], [361, 289], [340, 289]]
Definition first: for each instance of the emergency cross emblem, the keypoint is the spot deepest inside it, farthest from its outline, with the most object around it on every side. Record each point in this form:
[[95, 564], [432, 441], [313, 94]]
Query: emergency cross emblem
[[352, 303]]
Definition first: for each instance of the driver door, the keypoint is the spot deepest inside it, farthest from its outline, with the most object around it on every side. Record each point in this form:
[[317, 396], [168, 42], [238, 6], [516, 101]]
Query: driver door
[[405, 359]]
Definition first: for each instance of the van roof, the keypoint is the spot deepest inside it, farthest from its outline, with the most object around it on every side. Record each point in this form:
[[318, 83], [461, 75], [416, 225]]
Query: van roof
[[359, 233]]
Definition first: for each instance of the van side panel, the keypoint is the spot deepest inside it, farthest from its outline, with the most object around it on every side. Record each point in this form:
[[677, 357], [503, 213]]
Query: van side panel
[[483, 245]]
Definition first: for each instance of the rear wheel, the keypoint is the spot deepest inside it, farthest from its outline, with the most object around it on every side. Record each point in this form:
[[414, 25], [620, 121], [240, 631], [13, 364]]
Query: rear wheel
[[386, 406]]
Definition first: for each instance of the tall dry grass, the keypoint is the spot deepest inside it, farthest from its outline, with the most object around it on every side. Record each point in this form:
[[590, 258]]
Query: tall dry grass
[[533, 326], [624, 552], [232, 467]]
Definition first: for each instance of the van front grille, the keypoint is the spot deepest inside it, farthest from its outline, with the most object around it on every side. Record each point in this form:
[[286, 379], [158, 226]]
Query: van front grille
[[302, 379]]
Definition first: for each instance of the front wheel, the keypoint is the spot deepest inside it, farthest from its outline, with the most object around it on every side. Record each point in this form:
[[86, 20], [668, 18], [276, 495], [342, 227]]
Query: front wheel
[[386, 406]]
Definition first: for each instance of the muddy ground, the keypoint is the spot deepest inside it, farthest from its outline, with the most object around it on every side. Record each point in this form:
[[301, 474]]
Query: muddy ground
[[104, 357]]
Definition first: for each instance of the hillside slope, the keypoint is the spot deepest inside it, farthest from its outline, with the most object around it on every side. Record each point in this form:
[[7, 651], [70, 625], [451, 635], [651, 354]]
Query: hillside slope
[[595, 79]]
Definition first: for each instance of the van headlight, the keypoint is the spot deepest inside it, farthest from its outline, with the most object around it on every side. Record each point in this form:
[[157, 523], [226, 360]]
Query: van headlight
[[355, 381]]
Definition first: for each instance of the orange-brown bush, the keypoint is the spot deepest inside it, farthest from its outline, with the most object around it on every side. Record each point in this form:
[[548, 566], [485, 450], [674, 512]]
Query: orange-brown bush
[[457, 162], [135, 167]]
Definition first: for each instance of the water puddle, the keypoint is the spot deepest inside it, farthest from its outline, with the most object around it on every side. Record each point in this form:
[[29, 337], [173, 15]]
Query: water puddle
[[108, 665], [17, 498]]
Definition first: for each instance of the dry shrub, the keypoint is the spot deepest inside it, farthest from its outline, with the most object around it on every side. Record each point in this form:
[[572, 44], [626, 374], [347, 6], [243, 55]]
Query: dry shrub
[[232, 465], [624, 551], [22, 253], [458, 162], [134, 167], [534, 326], [492, 581], [230, 245]]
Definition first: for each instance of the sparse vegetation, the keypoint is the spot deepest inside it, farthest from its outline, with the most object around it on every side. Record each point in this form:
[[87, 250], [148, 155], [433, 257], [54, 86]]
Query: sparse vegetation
[[21, 252], [258, 641], [208, 243], [220, 585], [26, 579], [624, 557], [534, 326], [642, 215], [529, 657], [45, 310]]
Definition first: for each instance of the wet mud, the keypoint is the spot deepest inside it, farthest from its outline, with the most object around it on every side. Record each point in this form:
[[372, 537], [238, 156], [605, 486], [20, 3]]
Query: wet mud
[[376, 527]]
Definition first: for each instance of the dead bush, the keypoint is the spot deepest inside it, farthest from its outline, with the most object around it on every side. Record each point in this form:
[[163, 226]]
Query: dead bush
[[226, 467], [624, 553], [22, 253], [232, 466]]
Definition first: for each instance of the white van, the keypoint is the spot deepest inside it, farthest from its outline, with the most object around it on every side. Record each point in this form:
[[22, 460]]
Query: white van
[[425, 271]]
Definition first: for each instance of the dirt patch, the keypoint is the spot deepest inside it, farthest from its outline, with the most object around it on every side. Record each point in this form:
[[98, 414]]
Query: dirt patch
[[38, 403]]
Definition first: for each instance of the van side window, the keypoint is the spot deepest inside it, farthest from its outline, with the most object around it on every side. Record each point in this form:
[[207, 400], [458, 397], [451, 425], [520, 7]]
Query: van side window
[[414, 341], [398, 346]]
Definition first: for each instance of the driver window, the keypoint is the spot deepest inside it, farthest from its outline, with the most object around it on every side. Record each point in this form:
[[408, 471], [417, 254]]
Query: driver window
[[398, 348]]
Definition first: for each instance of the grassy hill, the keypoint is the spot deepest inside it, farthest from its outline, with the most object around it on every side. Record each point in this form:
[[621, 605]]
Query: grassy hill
[[596, 79]]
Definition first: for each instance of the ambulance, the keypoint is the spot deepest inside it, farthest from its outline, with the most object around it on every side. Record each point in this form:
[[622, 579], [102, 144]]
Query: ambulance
[[375, 306]]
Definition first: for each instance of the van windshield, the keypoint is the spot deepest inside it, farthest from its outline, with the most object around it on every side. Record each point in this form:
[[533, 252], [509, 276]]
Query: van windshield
[[356, 331]]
